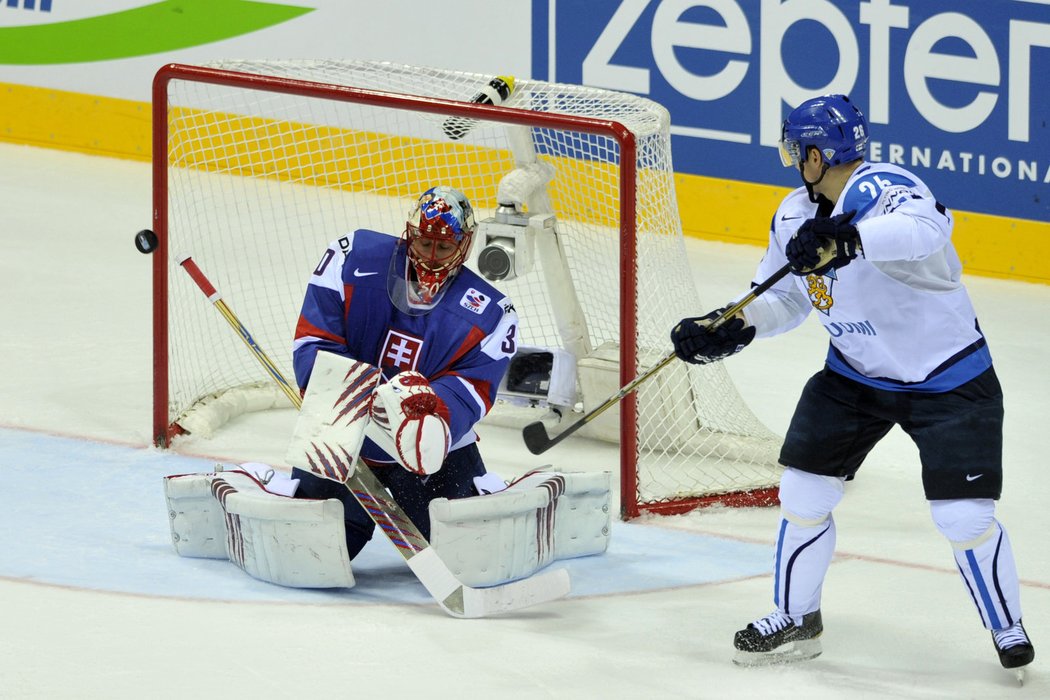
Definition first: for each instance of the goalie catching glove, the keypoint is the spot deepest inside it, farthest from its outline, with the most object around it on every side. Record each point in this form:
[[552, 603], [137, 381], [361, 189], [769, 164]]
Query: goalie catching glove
[[696, 343], [406, 412]]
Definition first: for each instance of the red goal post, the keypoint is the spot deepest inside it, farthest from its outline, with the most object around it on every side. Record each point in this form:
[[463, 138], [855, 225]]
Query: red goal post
[[258, 165]]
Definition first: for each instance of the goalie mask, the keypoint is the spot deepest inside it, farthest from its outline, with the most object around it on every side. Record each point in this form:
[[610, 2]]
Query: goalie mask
[[436, 243]]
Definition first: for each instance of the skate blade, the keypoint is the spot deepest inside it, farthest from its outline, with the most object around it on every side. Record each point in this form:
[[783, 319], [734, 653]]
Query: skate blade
[[788, 654], [1019, 674]]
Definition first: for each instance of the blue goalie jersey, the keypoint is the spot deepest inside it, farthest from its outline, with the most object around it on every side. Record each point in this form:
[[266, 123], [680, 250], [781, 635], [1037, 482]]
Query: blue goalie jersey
[[463, 344]]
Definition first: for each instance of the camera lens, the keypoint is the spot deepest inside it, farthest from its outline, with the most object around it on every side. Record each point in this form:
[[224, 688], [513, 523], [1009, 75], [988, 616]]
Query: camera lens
[[496, 260]]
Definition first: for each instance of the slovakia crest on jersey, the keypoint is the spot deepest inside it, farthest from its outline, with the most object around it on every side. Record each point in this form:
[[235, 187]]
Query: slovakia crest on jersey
[[819, 290], [401, 350], [475, 301]]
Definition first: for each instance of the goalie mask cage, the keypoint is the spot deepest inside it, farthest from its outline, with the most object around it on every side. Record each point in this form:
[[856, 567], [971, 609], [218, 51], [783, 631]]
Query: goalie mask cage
[[258, 165]]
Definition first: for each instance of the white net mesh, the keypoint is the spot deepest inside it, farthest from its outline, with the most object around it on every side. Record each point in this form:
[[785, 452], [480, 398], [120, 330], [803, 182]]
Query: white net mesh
[[259, 182]]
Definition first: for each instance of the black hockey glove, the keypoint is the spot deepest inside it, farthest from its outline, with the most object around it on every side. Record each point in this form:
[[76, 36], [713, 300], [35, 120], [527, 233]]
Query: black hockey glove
[[696, 343], [822, 244]]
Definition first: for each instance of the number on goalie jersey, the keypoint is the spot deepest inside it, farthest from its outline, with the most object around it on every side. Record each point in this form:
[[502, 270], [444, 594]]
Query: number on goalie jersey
[[408, 305], [905, 349]]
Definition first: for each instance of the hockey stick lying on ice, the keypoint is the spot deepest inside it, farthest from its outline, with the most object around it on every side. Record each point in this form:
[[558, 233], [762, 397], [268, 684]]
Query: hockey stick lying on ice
[[454, 597], [535, 434]]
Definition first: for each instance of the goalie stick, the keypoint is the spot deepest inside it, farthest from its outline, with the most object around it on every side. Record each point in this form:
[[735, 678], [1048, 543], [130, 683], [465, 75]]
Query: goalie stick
[[535, 434], [454, 597]]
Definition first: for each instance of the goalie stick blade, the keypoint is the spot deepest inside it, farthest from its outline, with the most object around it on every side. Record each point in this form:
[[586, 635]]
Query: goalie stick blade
[[536, 439], [499, 600], [460, 600]]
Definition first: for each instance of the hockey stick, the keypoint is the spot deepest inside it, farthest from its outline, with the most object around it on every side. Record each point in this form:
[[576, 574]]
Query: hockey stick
[[454, 597], [535, 434]]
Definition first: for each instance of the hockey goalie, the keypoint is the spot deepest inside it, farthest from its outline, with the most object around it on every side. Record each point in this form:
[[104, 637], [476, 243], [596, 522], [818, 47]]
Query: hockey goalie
[[400, 350]]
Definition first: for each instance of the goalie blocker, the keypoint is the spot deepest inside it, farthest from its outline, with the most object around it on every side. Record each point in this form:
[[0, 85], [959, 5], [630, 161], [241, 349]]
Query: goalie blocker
[[245, 514]]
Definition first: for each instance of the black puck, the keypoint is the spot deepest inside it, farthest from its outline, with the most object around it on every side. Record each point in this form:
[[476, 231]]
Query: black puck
[[146, 241]]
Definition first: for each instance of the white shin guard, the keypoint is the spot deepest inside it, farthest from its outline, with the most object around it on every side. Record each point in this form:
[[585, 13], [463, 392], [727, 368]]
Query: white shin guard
[[984, 557], [806, 541], [802, 558]]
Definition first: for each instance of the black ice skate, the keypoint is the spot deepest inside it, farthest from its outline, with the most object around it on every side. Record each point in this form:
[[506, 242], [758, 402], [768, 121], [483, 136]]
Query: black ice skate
[[1014, 647], [776, 639]]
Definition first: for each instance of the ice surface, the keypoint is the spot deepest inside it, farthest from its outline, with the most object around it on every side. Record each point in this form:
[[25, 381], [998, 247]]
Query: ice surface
[[94, 602]]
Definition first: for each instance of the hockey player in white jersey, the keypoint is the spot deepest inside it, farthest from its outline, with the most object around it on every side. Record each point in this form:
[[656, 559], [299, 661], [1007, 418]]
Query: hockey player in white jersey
[[870, 248]]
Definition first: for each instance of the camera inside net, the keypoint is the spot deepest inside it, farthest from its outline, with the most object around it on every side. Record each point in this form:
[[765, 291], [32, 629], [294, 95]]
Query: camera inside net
[[507, 242]]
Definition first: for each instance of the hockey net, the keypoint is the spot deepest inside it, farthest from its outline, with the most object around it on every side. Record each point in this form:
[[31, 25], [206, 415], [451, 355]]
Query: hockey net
[[259, 165]]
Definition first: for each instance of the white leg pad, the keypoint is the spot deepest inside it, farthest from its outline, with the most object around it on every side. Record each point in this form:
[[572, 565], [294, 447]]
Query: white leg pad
[[806, 540], [500, 537], [197, 521], [984, 557], [299, 543], [800, 563]]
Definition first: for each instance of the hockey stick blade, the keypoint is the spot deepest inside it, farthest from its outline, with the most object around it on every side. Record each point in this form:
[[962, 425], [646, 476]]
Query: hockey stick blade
[[536, 439], [535, 434], [463, 601], [511, 597]]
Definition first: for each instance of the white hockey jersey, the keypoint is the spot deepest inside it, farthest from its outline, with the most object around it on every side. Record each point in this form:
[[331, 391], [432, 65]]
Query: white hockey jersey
[[898, 315]]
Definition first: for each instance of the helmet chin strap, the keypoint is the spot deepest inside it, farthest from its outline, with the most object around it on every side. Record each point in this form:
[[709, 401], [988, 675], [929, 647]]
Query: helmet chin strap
[[815, 198]]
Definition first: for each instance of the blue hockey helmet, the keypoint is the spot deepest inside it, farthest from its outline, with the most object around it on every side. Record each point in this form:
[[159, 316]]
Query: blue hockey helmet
[[831, 123]]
